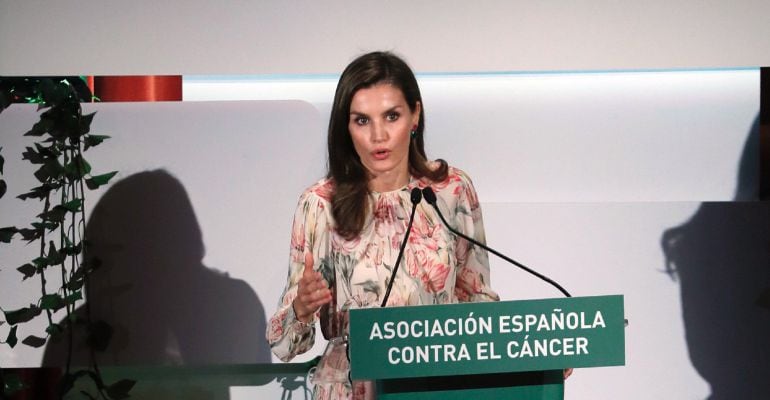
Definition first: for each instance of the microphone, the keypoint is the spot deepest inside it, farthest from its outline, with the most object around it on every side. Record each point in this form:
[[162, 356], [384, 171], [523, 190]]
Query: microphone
[[430, 197], [416, 197]]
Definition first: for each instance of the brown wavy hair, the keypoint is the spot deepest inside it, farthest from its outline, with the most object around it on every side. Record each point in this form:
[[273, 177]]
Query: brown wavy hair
[[349, 200]]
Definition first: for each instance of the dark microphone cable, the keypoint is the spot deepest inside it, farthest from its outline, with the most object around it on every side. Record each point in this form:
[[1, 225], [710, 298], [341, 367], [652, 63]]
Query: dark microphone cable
[[430, 197], [416, 197]]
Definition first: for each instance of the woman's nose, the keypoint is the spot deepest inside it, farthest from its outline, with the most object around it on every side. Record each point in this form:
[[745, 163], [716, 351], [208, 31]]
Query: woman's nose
[[379, 132]]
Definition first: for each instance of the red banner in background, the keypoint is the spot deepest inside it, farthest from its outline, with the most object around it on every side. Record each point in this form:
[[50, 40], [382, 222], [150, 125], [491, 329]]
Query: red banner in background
[[137, 88]]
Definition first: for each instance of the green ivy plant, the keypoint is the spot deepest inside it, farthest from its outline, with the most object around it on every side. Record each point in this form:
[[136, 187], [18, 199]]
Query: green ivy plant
[[60, 139]]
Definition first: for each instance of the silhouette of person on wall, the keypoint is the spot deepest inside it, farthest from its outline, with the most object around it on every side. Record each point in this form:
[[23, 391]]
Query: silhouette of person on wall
[[721, 257], [163, 305]]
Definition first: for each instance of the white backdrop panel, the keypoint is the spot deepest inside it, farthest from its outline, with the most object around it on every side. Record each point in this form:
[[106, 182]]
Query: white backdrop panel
[[654, 136], [146, 37]]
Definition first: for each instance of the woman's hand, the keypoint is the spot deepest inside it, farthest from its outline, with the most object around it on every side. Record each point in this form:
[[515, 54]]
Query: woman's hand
[[312, 292], [567, 373]]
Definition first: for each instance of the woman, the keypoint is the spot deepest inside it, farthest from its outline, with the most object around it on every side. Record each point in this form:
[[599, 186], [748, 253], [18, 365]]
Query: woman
[[348, 227]]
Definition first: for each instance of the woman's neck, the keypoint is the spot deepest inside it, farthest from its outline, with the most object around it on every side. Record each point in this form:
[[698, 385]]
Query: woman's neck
[[389, 181]]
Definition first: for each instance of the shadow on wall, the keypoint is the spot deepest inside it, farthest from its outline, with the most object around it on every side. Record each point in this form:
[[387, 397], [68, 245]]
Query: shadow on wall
[[721, 258], [165, 306]]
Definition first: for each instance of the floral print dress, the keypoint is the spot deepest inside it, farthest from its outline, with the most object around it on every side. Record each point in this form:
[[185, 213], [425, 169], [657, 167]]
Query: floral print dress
[[436, 268]]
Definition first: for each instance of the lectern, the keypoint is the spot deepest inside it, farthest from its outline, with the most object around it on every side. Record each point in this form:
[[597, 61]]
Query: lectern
[[508, 349]]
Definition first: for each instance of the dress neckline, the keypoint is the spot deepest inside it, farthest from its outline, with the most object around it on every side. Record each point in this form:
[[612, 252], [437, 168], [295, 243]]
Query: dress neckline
[[409, 185]]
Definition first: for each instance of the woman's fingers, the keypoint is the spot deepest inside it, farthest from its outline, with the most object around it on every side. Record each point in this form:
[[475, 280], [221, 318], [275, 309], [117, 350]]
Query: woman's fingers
[[312, 291]]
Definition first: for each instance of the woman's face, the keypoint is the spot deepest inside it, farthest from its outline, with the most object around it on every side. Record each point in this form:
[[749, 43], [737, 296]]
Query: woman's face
[[380, 124]]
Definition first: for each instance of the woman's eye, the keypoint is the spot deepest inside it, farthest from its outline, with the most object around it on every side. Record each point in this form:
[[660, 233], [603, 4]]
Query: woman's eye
[[392, 116], [362, 120]]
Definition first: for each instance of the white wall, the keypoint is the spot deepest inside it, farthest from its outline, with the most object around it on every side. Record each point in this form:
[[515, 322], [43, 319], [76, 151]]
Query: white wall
[[579, 175], [144, 37]]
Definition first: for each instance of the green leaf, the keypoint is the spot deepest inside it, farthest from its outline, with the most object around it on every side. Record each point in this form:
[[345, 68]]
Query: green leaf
[[6, 234], [51, 302], [11, 340], [34, 341], [3, 188], [85, 123], [22, 315], [73, 297], [51, 168], [2, 162], [120, 389], [56, 214], [40, 262], [48, 152], [94, 140], [54, 329], [75, 283], [33, 156], [45, 225], [30, 235], [99, 180], [41, 174], [28, 270], [73, 205], [77, 168], [55, 257], [39, 192], [41, 127], [72, 250]]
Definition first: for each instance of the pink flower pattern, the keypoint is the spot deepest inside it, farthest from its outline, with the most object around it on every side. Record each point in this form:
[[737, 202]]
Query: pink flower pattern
[[435, 268]]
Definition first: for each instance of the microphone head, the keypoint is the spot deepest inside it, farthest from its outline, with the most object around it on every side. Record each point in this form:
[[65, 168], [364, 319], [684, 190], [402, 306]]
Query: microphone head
[[429, 196], [416, 196]]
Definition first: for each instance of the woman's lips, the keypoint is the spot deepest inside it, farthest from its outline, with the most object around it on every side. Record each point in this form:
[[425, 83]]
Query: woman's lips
[[380, 154]]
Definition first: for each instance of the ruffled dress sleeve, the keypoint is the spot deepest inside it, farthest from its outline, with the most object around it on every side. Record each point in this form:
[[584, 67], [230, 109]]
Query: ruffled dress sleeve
[[287, 335], [472, 283]]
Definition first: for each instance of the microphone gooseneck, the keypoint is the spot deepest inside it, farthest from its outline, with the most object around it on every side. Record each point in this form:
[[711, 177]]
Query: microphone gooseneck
[[430, 197], [416, 197]]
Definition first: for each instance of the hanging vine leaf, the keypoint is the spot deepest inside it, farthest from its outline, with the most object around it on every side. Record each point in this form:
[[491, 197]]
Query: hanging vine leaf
[[94, 140], [2, 161], [34, 341], [77, 168], [51, 169], [55, 214], [54, 257], [35, 193], [54, 329], [51, 151], [22, 315], [30, 235], [45, 225], [40, 262], [28, 270], [72, 298], [11, 340], [41, 127], [52, 302], [71, 250], [85, 123], [73, 206], [32, 156], [3, 188], [99, 180], [75, 284], [6, 234]]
